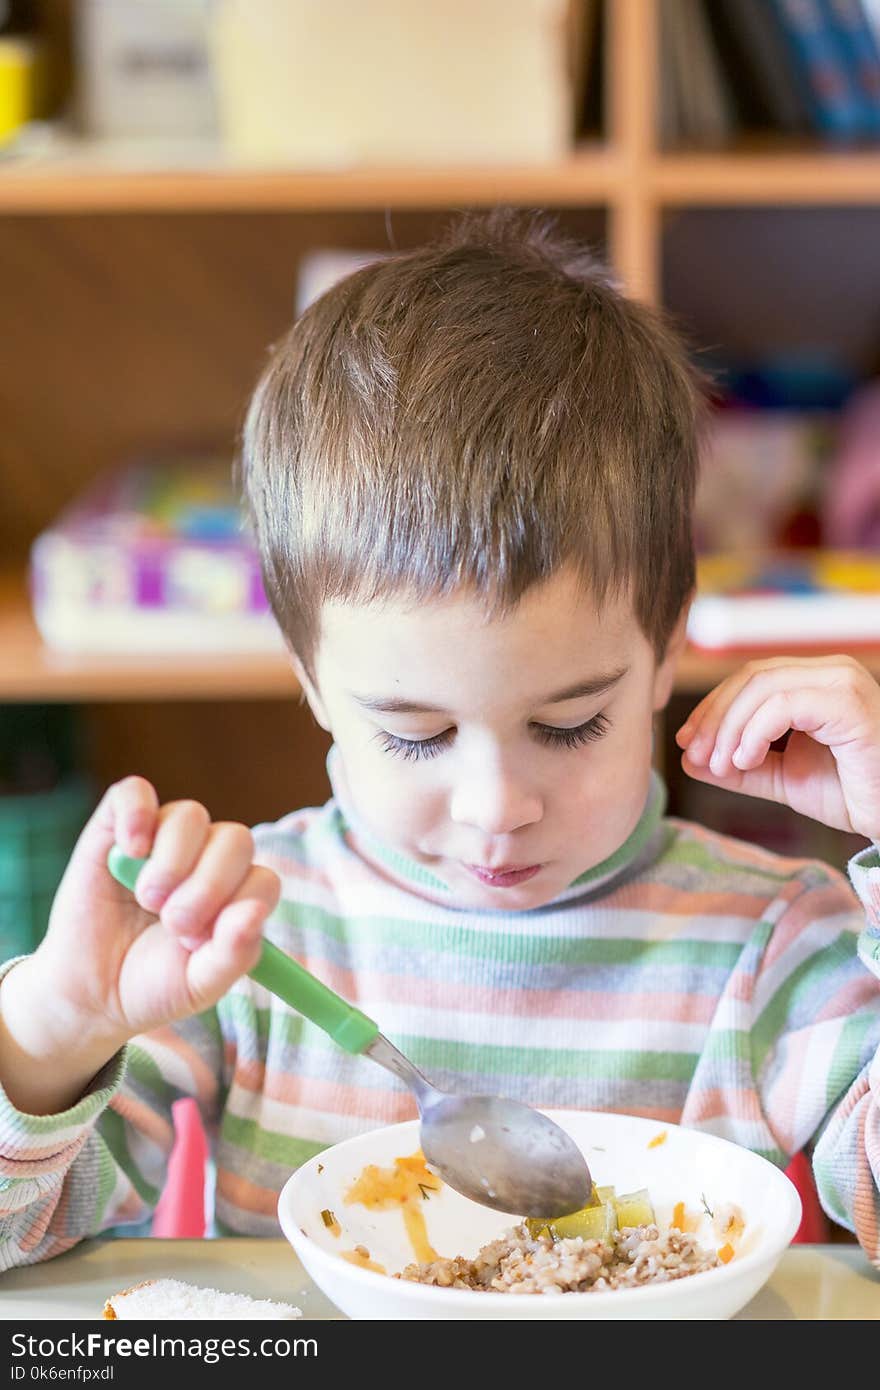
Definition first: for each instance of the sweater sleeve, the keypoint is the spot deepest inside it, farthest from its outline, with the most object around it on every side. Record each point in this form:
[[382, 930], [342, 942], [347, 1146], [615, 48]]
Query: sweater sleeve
[[102, 1162], [816, 1040]]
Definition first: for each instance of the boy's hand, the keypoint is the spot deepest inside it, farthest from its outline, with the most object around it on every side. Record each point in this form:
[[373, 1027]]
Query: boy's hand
[[830, 767], [112, 965]]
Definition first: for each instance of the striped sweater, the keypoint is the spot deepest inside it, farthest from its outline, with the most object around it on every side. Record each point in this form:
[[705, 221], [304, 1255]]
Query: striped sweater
[[690, 978]]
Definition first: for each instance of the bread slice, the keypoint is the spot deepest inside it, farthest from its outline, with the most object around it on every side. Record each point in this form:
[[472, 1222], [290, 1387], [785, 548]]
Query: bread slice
[[164, 1300]]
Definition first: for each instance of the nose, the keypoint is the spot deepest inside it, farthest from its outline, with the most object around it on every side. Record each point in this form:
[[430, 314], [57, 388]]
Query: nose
[[494, 800]]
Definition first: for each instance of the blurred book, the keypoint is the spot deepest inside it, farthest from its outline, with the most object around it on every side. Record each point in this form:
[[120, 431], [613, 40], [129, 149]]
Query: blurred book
[[793, 598], [143, 68], [755, 56], [823, 67], [861, 51], [696, 104], [586, 37], [153, 558]]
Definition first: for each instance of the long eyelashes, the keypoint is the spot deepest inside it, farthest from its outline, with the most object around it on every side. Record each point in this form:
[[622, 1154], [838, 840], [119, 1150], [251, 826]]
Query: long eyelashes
[[556, 738]]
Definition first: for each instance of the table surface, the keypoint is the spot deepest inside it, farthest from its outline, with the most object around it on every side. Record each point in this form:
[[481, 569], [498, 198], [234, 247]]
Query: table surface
[[811, 1281]]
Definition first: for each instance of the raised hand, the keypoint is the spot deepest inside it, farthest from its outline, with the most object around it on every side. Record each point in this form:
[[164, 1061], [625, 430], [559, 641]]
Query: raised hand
[[112, 965], [830, 766]]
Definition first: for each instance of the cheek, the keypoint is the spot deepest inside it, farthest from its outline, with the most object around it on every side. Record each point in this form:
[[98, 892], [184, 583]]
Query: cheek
[[612, 779], [395, 797]]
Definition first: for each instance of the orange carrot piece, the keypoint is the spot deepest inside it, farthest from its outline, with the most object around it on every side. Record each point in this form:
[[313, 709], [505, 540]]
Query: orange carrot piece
[[726, 1254], [678, 1217]]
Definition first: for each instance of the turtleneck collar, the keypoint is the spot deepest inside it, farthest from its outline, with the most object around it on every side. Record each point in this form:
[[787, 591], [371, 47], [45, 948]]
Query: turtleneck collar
[[412, 875]]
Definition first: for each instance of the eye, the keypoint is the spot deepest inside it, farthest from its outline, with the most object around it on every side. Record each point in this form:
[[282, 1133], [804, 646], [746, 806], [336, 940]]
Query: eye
[[573, 738], [414, 749]]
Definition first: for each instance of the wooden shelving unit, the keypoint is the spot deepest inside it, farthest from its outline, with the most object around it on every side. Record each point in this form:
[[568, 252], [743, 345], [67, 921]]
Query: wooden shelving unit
[[593, 174], [30, 672], [141, 302]]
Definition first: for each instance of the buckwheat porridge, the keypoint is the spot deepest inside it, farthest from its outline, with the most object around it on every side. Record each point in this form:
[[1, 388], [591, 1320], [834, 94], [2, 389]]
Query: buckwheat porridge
[[521, 1263]]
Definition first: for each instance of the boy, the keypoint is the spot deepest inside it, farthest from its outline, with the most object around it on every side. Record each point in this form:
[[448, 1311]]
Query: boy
[[471, 470]]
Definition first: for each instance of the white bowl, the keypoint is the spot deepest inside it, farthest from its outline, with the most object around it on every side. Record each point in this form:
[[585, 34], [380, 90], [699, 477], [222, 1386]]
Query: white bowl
[[686, 1167]]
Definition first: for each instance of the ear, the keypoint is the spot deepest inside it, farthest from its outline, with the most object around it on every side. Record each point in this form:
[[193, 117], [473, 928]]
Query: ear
[[664, 676], [311, 693]]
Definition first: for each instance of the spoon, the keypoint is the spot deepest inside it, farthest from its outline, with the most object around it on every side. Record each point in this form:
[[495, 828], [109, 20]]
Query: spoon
[[498, 1152]]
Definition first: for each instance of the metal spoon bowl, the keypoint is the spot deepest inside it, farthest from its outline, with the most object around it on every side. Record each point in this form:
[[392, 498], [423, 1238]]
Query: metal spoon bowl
[[498, 1152]]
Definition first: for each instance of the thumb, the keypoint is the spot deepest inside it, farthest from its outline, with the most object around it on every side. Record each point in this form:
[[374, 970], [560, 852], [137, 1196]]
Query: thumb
[[765, 781]]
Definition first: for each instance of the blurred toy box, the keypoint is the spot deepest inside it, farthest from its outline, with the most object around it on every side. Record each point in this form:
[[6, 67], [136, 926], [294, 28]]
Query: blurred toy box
[[796, 598], [153, 558], [336, 84]]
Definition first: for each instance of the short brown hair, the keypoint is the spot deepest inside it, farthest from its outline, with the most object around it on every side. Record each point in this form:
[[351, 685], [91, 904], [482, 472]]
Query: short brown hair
[[476, 413]]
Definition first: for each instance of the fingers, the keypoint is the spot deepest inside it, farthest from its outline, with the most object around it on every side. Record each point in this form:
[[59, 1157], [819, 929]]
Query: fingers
[[784, 710], [800, 693], [195, 870], [183, 832], [765, 780], [233, 946]]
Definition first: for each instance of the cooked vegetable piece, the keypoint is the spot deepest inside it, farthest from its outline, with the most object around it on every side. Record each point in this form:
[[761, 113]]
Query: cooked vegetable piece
[[537, 1226], [634, 1209], [590, 1223], [601, 1219]]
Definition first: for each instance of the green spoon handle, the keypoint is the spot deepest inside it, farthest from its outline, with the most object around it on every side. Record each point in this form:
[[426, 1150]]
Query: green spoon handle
[[284, 976]]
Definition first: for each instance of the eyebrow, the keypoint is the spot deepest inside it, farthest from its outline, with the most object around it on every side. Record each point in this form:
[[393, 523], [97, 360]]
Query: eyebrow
[[398, 704]]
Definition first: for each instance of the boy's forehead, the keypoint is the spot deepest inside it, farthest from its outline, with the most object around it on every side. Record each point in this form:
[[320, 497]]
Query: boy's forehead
[[556, 630], [561, 601]]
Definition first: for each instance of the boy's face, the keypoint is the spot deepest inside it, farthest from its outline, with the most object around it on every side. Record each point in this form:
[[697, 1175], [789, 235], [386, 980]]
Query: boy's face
[[510, 766]]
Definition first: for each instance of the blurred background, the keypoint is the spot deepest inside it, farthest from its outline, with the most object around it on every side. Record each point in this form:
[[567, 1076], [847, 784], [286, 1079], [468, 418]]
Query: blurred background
[[178, 178]]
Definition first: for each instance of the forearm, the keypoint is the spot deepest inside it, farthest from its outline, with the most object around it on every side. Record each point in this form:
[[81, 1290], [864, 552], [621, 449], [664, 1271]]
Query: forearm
[[815, 1041], [60, 1179], [846, 1162], [47, 1059]]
